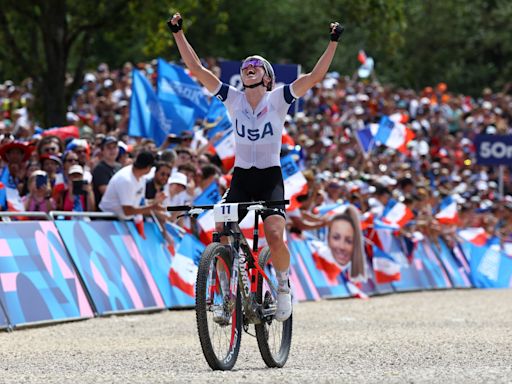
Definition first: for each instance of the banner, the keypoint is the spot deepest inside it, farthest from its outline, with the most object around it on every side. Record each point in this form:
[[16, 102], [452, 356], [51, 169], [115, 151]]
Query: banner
[[412, 276], [490, 266], [434, 270], [3, 320], [455, 268], [493, 149], [155, 252], [38, 282], [111, 265]]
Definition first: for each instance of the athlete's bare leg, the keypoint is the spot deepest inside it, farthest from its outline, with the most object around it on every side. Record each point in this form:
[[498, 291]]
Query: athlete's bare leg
[[274, 229]]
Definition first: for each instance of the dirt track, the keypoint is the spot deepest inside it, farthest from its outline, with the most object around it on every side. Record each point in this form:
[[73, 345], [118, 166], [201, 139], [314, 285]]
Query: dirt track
[[446, 336]]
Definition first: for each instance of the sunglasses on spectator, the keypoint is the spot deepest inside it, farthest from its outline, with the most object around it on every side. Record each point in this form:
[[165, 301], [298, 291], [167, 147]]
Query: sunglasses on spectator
[[51, 149], [253, 62], [71, 160], [165, 174]]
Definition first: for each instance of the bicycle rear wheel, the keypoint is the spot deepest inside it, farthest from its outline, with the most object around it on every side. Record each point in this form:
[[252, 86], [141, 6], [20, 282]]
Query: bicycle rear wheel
[[219, 318], [274, 337]]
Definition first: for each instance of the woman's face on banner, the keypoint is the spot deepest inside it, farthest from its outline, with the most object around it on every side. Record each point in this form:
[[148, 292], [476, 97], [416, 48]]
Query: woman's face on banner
[[341, 241]]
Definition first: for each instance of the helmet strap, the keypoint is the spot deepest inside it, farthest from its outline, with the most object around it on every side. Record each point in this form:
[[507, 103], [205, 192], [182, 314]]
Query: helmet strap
[[254, 85]]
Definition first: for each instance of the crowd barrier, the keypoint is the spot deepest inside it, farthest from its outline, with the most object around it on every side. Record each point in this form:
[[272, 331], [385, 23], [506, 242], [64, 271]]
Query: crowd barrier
[[60, 270]]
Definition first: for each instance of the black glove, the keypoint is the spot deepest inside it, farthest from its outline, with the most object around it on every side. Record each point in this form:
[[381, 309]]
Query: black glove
[[335, 31], [175, 28]]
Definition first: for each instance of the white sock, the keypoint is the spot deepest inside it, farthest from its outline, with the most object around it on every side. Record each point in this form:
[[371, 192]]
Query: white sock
[[282, 280]]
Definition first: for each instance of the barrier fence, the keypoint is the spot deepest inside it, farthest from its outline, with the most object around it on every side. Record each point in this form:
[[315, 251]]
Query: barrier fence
[[60, 270]]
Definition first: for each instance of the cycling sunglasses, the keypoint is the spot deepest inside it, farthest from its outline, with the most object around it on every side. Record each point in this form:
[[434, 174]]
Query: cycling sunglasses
[[253, 62]]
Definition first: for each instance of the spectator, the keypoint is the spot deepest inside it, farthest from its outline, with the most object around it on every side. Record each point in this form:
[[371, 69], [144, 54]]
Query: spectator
[[125, 191], [15, 155], [158, 182], [106, 168], [78, 195], [39, 197]]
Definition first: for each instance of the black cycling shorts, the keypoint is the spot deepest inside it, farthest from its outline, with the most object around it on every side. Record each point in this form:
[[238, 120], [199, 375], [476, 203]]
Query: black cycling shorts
[[256, 184]]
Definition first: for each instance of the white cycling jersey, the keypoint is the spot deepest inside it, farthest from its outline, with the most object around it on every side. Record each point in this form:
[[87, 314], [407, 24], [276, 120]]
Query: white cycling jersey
[[258, 132]]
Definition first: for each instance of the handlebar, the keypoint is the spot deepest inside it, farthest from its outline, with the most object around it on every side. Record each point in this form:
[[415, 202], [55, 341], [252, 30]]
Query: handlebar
[[266, 204]]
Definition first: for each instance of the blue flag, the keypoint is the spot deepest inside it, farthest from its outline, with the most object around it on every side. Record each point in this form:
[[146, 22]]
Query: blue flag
[[147, 117], [209, 196], [366, 139], [175, 86], [217, 118], [152, 118]]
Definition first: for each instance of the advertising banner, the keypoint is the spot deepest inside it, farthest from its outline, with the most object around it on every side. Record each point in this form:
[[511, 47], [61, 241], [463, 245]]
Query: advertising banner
[[111, 265], [490, 266], [38, 282], [437, 276], [412, 270], [493, 149], [155, 252], [3, 320], [459, 276]]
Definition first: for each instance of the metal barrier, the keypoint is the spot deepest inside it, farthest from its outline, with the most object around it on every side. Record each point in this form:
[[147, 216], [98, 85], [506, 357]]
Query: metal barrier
[[56, 215]]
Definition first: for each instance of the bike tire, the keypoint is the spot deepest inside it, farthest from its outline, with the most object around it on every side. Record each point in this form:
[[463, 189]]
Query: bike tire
[[213, 348], [279, 333]]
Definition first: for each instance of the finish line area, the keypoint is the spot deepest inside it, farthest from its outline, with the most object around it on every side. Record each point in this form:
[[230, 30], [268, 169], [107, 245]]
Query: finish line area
[[436, 336]]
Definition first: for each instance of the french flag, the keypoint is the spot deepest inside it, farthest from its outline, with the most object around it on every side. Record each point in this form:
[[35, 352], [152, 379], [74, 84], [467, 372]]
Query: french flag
[[448, 212], [225, 149], [397, 216], [366, 220], [393, 133], [183, 271], [330, 209], [476, 236], [356, 290], [324, 261], [287, 139], [206, 220], [385, 267], [295, 183]]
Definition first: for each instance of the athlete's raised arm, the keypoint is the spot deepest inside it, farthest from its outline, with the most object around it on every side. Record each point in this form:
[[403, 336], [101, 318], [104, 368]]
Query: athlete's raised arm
[[307, 81], [189, 56]]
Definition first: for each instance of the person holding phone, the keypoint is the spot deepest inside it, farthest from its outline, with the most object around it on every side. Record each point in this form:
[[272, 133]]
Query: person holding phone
[[78, 196], [39, 197], [258, 113]]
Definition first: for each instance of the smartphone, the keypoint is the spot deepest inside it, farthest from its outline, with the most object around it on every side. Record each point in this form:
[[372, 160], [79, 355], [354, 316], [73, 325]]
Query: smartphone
[[41, 180], [174, 140], [78, 187]]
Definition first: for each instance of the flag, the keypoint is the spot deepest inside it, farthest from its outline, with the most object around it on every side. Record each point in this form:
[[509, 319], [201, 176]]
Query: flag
[[183, 271], [393, 133], [324, 260], [177, 87], [331, 209], [295, 184], [448, 211], [217, 118], [385, 267], [356, 289], [476, 236], [206, 221], [225, 149], [287, 139], [366, 220], [147, 117], [365, 137], [398, 215]]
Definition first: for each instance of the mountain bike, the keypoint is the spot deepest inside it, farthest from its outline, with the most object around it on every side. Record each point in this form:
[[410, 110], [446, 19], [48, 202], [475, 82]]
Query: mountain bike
[[236, 286]]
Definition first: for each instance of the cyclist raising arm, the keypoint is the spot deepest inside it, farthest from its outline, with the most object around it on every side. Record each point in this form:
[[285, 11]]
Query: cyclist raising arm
[[258, 113]]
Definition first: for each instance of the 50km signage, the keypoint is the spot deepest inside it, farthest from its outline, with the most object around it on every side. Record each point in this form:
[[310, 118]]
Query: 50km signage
[[493, 149]]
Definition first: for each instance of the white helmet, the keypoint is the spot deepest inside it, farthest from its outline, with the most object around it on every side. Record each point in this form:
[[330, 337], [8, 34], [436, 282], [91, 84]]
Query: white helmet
[[256, 61]]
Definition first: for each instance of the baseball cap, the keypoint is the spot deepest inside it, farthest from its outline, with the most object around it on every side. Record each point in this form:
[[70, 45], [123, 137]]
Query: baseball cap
[[107, 140], [89, 77], [76, 169]]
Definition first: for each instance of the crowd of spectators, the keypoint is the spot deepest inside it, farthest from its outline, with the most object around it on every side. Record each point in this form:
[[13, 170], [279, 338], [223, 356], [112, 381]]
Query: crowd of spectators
[[43, 172]]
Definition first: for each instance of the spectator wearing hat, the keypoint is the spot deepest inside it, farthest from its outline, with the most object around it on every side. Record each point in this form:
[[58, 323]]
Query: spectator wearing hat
[[50, 145], [78, 196], [177, 190], [106, 168], [82, 149], [39, 197], [15, 155], [125, 191]]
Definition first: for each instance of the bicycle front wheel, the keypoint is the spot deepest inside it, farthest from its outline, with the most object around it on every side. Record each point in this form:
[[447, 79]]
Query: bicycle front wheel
[[219, 317], [274, 337]]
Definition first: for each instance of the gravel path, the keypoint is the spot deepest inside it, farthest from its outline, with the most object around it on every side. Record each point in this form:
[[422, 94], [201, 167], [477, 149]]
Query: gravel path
[[428, 337]]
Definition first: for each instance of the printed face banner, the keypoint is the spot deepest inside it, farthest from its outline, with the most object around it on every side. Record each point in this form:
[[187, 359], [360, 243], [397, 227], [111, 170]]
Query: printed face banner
[[111, 265], [38, 281]]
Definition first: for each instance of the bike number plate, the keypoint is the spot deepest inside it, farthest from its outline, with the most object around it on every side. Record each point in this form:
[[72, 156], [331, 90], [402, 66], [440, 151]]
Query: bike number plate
[[225, 213]]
